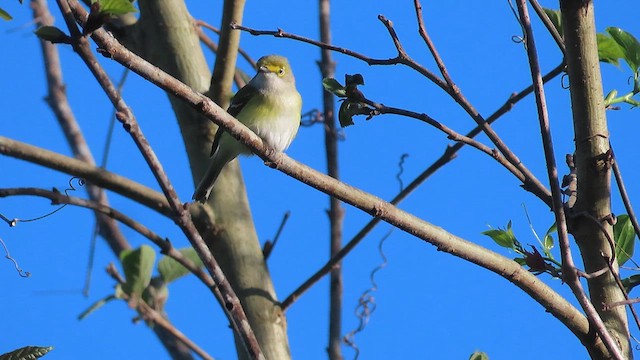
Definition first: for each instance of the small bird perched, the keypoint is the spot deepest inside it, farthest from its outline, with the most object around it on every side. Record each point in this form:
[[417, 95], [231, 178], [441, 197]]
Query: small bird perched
[[269, 105]]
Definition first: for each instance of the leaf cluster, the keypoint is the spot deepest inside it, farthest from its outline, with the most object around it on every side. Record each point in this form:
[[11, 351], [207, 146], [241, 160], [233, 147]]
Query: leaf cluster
[[139, 284]]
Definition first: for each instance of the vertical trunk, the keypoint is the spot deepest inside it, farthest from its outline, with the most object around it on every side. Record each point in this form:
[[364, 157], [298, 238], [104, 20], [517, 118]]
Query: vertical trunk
[[336, 213], [170, 41], [593, 164]]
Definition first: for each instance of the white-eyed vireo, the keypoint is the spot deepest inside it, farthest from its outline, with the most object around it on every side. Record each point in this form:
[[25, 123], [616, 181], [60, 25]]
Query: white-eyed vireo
[[269, 105]]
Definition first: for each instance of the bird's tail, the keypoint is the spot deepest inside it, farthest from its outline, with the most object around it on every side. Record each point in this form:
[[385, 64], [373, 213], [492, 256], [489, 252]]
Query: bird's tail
[[208, 180]]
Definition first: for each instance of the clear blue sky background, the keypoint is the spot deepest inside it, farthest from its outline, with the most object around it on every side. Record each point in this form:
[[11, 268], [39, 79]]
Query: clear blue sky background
[[430, 305]]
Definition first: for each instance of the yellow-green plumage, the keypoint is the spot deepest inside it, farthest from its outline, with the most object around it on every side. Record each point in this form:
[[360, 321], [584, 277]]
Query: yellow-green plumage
[[269, 105]]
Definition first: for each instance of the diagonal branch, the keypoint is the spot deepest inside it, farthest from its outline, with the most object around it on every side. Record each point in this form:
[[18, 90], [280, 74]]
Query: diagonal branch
[[57, 100], [531, 183], [164, 244]]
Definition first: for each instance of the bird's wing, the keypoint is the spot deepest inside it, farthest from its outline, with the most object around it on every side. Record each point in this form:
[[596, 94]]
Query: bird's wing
[[239, 100]]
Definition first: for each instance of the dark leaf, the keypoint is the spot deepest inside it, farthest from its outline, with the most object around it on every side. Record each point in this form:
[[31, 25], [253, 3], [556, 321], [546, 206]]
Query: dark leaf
[[353, 80], [27, 353], [52, 34], [534, 260], [631, 282]]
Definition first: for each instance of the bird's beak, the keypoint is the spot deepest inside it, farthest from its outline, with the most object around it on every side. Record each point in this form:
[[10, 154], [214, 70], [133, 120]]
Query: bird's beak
[[263, 69]]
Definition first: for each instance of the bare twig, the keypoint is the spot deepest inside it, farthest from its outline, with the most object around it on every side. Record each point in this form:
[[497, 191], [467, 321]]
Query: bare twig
[[270, 245], [164, 244], [549, 25], [623, 290], [531, 183], [241, 51], [623, 194], [568, 266], [448, 155]]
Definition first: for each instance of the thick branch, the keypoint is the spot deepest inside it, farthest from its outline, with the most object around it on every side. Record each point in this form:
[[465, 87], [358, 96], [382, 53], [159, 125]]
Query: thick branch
[[593, 164], [568, 266]]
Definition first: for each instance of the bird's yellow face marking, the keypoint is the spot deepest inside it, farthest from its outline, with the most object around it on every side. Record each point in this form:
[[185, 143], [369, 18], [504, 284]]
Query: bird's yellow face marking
[[274, 64]]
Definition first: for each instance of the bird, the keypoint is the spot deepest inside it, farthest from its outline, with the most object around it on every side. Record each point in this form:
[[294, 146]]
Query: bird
[[270, 105]]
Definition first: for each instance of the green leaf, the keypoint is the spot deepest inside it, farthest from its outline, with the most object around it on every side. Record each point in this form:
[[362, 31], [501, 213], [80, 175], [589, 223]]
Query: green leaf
[[52, 34], [630, 46], [548, 241], [631, 282], [479, 355], [333, 86], [27, 353], [556, 18], [95, 306], [502, 237], [5, 15], [138, 266], [624, 236], [171, 270], [520, 261], [609, 50], [116, 7]]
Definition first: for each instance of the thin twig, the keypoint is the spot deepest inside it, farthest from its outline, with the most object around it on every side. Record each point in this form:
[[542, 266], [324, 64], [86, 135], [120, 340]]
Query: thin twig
[[270, 245], [451, 134], [531, 183], [616, 275], [623, 193], [242, 52], [164, 244], [549, 25], [448, 155]]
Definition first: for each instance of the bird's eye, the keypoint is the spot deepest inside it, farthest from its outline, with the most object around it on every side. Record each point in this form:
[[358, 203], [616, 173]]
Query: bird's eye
[[281, 71]]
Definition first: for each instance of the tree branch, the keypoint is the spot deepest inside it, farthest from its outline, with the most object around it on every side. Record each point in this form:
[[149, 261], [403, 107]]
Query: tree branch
[[443, 240]]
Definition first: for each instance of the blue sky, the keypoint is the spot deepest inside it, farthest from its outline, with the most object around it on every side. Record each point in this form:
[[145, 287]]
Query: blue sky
[[429, 305]]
